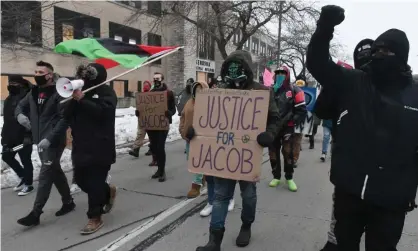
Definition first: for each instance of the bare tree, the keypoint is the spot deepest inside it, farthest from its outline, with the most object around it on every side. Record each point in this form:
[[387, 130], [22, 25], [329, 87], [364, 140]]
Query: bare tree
[[224, 19]]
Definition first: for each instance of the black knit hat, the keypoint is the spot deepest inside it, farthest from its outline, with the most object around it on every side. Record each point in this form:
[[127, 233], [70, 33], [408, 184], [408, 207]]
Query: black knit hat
[[19, 80], [396, 41], [362, 52]]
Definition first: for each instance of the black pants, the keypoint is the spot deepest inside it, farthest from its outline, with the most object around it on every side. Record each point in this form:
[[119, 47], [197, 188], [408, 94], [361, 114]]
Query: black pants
[[92, 180], [354, 216], [157, 143], [25, 172], [312, 137]]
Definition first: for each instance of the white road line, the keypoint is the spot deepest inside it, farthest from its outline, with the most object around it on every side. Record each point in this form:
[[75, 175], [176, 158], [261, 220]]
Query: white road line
[[114, 245]]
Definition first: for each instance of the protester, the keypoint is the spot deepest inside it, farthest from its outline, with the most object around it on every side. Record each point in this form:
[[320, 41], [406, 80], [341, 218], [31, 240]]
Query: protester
[[237, 73], [373, 191], [327, 127], [13, 134], [92, 120], [40, 111], [186, 121], [158, 137], [141, 132], [291, 101], [327, 107]]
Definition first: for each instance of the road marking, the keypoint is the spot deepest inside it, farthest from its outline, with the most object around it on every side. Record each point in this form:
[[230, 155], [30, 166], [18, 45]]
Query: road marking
[[114, 245]]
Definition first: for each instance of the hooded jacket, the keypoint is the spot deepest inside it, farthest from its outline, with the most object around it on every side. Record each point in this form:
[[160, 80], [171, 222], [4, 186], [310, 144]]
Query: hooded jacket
[[291, 101], [186, 118], [184, 96], [92, 122], [171, 102], [273, 117], [12, 133], [380, 118]]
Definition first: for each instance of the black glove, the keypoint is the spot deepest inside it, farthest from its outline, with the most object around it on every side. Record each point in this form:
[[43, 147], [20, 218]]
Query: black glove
[[168, 114], [265, 139], [331, 16], [190, 133], [137, 113]]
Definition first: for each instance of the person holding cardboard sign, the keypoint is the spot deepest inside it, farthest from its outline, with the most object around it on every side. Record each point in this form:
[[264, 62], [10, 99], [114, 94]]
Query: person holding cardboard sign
[[291, 100], [158, 125], [237, 73]]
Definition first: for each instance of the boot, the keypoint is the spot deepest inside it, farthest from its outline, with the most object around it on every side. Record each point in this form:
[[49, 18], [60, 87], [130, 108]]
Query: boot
[[330, 247], [215, 240], [244, 236], [162, 177], [65, 209], [194, 191], [30, 220], [134, 152], [92, 226], [109, 206], [149, 153]]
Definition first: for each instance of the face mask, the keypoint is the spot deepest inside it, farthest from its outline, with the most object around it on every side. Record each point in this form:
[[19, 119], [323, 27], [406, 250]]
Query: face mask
[[157, 84], [13, 89], [236, 75], [385, 64], [278, 82], [40, 80]]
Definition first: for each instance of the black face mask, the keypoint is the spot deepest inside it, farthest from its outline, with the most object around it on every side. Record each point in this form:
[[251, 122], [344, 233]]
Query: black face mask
[[157, 84], [41, 80], [386, 65], [13, 89]]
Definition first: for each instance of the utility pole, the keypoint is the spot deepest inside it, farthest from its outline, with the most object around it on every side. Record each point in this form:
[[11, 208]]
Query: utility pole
[[279, 37]]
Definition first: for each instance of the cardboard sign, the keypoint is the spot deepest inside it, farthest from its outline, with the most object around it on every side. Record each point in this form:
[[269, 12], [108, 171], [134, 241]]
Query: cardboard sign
[[227, 123], [306, 128], [152, 107]]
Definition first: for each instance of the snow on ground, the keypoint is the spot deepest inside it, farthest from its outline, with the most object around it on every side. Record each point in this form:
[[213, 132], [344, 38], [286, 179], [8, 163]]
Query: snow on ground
[[126, 125]]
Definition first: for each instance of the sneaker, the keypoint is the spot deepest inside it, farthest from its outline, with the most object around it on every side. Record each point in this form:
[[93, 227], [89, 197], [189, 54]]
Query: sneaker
[[231, 205], [292, 185], [65, 209], [19, 186], [92, 226], [109, 206], [74, 189], [30, 220], [323, 157], [134, 152], [206, 211], [25, 190], [274, 183]]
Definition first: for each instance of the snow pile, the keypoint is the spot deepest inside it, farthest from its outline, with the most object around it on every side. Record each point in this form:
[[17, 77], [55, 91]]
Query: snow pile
[[126, 126]]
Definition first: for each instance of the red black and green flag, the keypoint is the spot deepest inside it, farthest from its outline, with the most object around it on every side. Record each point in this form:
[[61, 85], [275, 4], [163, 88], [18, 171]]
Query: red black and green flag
[[110, 52]]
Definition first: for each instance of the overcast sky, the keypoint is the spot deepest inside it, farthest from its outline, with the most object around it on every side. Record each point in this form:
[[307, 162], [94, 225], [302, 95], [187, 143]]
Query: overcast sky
[[370, 18]]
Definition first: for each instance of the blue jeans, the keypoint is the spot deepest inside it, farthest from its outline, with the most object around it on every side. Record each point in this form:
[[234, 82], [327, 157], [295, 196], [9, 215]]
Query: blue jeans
[[224, 192], [326, 139], [211, 189]]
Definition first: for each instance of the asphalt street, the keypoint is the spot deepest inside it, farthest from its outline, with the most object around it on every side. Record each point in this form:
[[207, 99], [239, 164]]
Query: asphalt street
[[156, 216]]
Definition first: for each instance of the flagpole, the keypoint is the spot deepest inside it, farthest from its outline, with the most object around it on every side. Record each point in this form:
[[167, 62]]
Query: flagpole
[[126, 72]]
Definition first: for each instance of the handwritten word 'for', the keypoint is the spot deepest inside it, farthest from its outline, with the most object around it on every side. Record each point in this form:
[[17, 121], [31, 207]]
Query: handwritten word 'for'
[[237, 160], [154, 121], [240, 106], [227, 138]]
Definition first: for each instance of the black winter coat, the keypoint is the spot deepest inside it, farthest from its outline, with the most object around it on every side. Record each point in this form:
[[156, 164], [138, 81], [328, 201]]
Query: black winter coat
[[375, 156], [92, 122], [12, 133], [171, 101]]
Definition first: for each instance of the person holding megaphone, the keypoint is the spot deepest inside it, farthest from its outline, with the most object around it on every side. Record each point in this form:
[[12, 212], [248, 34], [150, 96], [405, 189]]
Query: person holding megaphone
[[91, 116]]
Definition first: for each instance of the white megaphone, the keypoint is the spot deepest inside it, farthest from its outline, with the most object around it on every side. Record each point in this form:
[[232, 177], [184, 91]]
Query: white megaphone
[[66, 87]]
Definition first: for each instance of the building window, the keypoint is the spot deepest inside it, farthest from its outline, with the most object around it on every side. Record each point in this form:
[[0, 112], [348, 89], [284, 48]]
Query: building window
[[154, 8], [154, 39], [135, 4], [73, 25], [24, 31], [124, 33], [67, 32], [206, 45]]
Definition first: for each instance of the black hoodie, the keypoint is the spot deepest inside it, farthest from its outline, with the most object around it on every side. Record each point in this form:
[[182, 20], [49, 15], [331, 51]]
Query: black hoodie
[[375, 157], [274, 122]]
